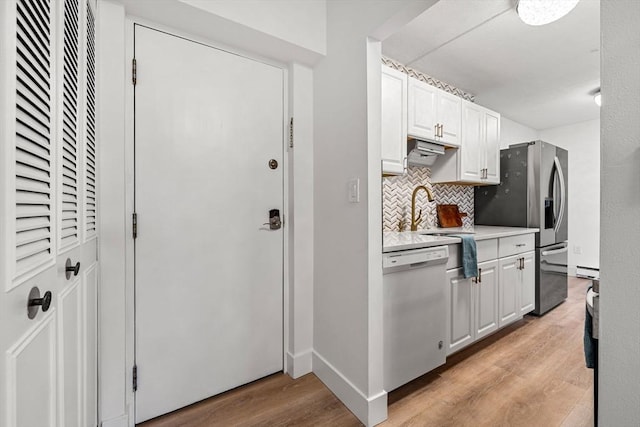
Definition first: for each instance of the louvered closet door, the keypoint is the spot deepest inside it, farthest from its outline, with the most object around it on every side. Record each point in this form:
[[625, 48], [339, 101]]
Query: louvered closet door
[[47, 190]]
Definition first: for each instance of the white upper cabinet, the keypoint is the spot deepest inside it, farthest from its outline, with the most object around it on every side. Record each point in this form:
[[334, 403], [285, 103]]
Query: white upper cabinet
[[492, 147], [477, 161], [480, 160], [433, 113], [471, 154], [394, 121], [422, 110], [412, 108], [449, 118]]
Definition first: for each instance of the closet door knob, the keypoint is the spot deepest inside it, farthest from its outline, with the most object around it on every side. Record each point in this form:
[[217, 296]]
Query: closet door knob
[[35, 302], [69, 268]]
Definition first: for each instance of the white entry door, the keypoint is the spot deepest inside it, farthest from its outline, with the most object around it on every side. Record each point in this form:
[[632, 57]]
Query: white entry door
[[209, 270], [48, 268]]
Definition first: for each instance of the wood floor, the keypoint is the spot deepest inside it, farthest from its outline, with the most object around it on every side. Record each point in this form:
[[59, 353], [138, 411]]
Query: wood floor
[[530, 374]]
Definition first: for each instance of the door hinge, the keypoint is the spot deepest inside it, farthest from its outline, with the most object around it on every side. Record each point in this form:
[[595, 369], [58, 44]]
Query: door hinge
[[134, 71], [135, 225], [291, 133], [135, 377]]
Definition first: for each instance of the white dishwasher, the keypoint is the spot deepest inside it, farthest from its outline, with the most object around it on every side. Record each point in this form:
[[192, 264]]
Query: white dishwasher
[[415, 313]]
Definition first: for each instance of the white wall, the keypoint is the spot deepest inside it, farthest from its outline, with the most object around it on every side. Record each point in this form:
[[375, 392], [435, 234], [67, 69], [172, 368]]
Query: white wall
[[619, 393], [300, 340], [301, 22], [113, 382], [348, 265], [582, 140], [280, 34], [513, 132]]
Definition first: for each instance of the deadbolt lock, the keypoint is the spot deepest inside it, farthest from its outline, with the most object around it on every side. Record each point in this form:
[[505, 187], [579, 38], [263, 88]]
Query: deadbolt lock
[[274, 220], [273, 164]]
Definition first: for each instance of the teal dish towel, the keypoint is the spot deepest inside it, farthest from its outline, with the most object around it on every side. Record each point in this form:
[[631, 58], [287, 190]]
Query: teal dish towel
[[469, 256]]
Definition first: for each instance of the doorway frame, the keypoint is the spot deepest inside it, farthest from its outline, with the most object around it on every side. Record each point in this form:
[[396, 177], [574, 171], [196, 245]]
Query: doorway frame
[[129, 196]]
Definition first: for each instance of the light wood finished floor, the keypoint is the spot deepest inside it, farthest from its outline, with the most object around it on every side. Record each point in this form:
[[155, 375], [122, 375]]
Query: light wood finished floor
[[530, 374]]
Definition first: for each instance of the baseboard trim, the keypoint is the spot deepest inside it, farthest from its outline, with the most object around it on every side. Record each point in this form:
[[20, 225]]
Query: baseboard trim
[[299, 364], [121, 421], [369, 410]]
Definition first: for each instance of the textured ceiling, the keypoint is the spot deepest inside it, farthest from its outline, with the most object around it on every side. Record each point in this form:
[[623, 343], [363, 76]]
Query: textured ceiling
[[541, 77]]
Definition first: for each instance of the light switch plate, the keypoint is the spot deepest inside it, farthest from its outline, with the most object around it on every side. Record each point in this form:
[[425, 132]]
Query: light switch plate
[[354, 190]]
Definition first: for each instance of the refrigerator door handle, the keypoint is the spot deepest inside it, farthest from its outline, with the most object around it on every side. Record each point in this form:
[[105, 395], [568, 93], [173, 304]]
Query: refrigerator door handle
[[555, 251], [562, 193]]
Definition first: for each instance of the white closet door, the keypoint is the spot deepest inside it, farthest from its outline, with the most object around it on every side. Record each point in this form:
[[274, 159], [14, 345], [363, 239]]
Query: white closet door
[[48, 356]]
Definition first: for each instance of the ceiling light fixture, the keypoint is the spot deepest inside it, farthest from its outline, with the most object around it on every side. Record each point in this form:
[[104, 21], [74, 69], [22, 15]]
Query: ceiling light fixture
[[597, 99], [541, 12]]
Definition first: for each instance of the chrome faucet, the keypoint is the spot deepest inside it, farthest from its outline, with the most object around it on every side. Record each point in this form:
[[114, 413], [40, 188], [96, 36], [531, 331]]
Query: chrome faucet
[[416, 221]]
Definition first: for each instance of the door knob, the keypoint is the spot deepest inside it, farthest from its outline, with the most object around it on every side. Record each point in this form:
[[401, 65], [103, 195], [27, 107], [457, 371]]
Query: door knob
[[35, 301], [69, 268]]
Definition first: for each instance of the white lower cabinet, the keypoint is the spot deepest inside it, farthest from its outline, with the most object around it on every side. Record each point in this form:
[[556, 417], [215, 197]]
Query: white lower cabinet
[[517, 287], [508, 289], [486, 299], [527, 283], [473, 305], [503, 292], [461, 307]]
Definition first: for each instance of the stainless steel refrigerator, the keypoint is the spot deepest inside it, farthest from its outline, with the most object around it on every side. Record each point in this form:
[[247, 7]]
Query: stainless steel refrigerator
[[533, 193]]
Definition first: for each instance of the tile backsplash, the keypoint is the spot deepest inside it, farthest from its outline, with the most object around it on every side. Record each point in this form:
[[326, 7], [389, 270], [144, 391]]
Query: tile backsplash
[[396, 199], [396, 65]]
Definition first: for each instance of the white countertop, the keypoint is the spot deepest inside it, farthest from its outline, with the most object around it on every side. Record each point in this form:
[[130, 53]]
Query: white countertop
[[399, 241]]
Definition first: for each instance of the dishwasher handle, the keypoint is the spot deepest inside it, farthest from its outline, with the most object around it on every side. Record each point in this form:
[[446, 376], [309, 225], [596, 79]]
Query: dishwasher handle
[[420, 264], [416, 258]]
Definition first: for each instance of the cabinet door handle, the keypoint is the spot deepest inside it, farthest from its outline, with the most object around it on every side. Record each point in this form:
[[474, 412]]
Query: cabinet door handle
[[441, 130], [479, 275]]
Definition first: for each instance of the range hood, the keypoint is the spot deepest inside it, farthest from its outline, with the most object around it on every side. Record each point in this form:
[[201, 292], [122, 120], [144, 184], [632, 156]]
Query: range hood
[[423, 153]]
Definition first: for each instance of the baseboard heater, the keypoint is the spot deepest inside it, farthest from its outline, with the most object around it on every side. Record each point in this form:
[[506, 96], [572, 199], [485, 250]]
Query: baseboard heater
[[587, 272]]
